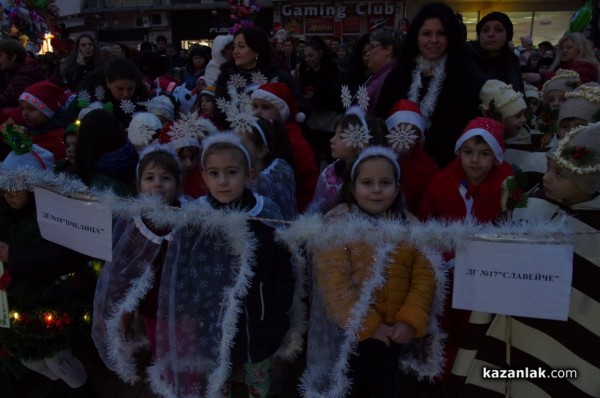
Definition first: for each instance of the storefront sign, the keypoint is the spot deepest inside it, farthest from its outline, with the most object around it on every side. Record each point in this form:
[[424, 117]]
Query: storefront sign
[[338, 12], [319, 25]]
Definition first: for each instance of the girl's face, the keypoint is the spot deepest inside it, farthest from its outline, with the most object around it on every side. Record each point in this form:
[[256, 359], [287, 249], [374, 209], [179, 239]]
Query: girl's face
[[207, 106], [121, 89], [86, 47], [288, 48], [16, 199], [226, 174], [265, 109], [32, 116], [514, 123], [558, 186], [257, 152], [70, 143], [313, 57], [243, 56], [156, 180], [477, 159], [569, 124], [339, 149], [432, 39], [188, 159], [568, 51], [375, 187], [492, 37], [555, 99], [198, 61]]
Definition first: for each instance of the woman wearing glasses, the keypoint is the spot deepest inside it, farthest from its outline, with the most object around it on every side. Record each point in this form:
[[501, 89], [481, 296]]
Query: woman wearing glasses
[[384, 49], [431, 72], [84, 58]]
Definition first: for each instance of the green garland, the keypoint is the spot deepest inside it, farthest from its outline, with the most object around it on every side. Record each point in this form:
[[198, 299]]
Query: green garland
[[16, 137]]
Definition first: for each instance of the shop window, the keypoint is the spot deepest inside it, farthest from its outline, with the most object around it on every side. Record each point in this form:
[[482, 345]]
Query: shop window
[[550, 26]]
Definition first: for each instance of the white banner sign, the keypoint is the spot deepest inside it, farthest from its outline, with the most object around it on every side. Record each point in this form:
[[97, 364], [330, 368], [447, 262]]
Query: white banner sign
[[82, 226], [522, 279], [4, 314]]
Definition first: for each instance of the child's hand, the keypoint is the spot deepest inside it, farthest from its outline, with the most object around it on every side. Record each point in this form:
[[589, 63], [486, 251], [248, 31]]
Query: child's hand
[[383, 333], [403, 333], [4, 252]]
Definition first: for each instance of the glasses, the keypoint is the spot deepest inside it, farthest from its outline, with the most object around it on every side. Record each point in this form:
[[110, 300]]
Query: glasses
[[86, 45], [374, 45]]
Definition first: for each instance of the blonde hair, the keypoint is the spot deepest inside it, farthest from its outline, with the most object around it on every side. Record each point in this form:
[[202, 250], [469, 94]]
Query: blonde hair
[[586, 52]]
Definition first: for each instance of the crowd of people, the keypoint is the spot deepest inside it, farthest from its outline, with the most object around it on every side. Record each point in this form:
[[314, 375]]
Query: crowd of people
[[405, 126]]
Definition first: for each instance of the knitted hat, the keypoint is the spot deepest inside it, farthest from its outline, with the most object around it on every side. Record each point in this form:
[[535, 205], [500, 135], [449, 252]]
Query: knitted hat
[[44, 96], [505, 99], [582, 103], [401, 137], [142, 128], [25, 154], [578, 154], [563, 80], [209, 91], [487, 128], [162, 106], [280, 96], [531, 91], [500, 17]]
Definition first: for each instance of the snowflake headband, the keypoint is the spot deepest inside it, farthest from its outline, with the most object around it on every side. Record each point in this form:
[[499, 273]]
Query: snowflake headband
[[261, 133], [401, 135], [226, 138], [189, 129], [238, 110], [376, 151], [361, 96], [355, 135], [168, 149]]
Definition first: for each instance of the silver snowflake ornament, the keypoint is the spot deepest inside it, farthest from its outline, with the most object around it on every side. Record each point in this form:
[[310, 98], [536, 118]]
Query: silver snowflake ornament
[[402, 137], [99, 93], [362, 97], [127, 106], [355, 136], [258, 78], [84, 96], [346, 97], [238, 81]]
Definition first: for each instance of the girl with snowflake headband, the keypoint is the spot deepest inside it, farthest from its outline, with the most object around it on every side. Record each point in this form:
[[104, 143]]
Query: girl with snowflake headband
[[371, 295], [406, 136], [353, 132], [185, 135], [229, 286], [117, 85], [127, 292]]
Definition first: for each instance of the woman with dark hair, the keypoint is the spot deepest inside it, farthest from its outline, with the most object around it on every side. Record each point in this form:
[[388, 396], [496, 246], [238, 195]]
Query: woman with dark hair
[[253, 60], [490, 57], [320, 82], [17, 72], [358, 70], [118, 82], [84, 58], [431, 72], [105, 157], [196, 63]]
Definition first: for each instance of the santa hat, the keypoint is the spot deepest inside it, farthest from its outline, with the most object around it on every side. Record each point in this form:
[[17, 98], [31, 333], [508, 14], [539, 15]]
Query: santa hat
[[582, 103], [563, 80], [280, 96], [487, 128], [44, 96], [505, 99], [578, 154], [162, 106]]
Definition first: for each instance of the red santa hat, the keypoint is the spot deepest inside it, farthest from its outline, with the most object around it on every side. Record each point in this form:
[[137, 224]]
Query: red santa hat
[[44, 96], [280, 96], [487, 128]]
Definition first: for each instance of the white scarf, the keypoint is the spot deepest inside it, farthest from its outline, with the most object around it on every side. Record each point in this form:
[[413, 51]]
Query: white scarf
[[429, 101]]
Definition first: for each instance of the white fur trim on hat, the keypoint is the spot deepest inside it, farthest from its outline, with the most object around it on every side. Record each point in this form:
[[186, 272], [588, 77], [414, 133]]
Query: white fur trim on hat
[[282, 107], [406, 117], [487, 137], [37, 103], [225, 137], [376, 151]]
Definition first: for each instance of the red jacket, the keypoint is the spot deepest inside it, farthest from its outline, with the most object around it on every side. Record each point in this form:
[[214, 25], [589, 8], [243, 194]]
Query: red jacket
[[442, 199], [305, 167], [417, 171]]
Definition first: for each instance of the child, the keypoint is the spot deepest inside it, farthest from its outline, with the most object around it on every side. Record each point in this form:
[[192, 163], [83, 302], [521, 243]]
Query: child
[[406, 136], [270, 152], [499, 101], [48, 286], [343, 274], [67, 165], [231, 285], [532, 99], [275, 101], [352, 135], [44, 117], [162, 107], [129, 285], [569, 196], [208, 105], [469, 187]]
